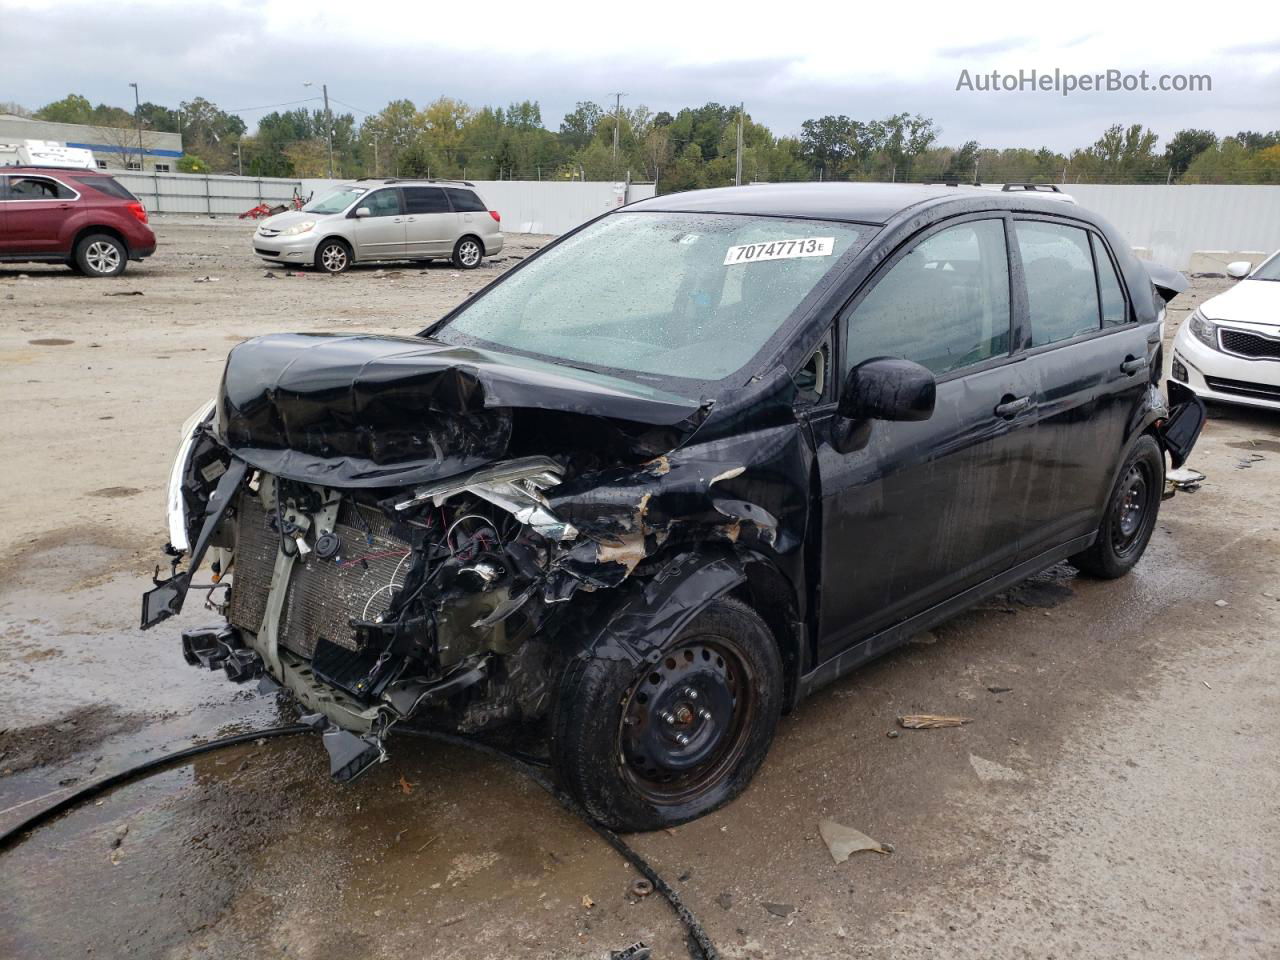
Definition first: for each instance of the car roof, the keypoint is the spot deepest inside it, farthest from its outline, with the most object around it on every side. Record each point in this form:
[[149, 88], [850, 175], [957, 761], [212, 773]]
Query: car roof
[[871, 203], [32, 168]]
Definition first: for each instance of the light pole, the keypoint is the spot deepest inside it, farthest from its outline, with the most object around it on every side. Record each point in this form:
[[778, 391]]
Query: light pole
[[328, 122], [617, 122], [137, 116]]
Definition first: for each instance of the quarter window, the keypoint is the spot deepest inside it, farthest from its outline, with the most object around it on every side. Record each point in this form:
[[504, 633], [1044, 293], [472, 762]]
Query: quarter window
[[464, 201], [425, 200], [1061, 293], [1114, 309], [944, 305]]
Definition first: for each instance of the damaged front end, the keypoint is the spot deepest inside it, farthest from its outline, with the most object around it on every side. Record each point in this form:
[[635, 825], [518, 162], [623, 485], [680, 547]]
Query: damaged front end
[[376, 548]]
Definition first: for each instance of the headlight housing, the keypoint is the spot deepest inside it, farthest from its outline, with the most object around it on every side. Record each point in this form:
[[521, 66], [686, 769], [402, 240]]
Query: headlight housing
[[175, 505], [298, 228], [1203, 329]]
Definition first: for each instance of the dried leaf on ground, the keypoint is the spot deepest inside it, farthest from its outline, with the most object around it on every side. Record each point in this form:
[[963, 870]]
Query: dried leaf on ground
[[931, 721], [844, 841]]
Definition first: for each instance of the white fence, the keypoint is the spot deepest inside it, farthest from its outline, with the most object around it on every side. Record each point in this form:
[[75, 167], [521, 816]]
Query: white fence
[[1189, 226], [526, 206]]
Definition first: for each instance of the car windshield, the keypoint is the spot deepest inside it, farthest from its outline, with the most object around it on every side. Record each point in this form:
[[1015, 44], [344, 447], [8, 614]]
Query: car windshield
[[1268, 271], [334, 202], [676, 294]]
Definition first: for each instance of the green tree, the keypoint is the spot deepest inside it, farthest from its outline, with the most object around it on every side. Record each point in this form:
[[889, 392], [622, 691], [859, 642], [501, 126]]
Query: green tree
[[73, 108], [1185, 146]]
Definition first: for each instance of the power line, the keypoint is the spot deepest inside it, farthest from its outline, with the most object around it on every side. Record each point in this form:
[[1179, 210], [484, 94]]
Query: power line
[[352, 106], [271, 106]]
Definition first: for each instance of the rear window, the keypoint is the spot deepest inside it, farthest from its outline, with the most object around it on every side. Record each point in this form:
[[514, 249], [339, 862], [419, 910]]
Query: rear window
[[108, 185], [464, 201]]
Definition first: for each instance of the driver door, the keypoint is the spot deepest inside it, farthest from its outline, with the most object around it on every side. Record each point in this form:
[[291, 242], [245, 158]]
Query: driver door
[[923, 510], [381, 235]]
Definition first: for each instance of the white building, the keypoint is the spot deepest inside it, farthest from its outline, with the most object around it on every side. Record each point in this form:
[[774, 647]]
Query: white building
[[113, 148]]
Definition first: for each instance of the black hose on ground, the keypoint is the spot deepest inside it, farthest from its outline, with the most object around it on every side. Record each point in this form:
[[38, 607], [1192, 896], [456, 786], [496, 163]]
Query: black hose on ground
[[700, 945], [106, 783]]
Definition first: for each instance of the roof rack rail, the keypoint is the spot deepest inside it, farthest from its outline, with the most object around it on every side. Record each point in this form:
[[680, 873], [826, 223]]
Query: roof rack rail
[[465, 183], [1031, 187]]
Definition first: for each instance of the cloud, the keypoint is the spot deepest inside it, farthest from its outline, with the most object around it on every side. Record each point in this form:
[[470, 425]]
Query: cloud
[[987, 49], [1266, 46]]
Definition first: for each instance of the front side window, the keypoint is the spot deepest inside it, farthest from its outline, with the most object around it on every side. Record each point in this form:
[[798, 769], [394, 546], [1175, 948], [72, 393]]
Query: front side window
[[335, 201], [383, 203], [425, 200], [37, 188], [680, 295], [1061, 294], [944, 305]]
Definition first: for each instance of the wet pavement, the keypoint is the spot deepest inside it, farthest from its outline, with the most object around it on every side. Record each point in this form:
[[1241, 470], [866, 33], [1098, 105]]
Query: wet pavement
[[1116, 793]]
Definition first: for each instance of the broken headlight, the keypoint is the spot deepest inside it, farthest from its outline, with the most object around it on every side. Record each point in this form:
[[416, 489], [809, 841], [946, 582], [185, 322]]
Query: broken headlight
[[175, 504], [1203, 329]]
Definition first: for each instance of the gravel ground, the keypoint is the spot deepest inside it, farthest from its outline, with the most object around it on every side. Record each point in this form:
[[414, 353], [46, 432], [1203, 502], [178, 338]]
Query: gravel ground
[[1116, 795]]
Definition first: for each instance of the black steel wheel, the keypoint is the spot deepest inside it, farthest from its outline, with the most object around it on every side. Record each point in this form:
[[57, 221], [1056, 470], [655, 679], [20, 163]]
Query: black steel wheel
[[1130, 516], [659, 744]]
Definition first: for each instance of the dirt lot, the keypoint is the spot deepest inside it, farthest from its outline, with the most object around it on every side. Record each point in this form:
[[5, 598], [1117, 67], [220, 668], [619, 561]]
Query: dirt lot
[[1116, 795]]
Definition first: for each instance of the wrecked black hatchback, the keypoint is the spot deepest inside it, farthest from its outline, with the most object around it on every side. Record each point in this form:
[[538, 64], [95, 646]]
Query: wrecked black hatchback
[[690, 462]]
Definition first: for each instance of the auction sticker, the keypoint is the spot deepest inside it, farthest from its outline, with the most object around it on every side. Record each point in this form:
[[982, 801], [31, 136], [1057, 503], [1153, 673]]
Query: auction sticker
[[781, 250]]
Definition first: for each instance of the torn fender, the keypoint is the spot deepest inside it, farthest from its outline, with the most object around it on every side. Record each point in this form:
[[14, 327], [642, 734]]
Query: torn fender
[[1180, 430], [636, 629], [1167, 281]]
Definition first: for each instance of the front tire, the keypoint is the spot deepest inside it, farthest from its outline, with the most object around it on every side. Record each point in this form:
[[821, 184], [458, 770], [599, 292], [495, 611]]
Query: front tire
[[333, 256], [649, 746], [101, 255], [467, 253], [1130, 516]]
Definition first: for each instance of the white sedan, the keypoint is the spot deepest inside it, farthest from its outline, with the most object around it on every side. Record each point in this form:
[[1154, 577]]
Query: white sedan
[[1229, 348]]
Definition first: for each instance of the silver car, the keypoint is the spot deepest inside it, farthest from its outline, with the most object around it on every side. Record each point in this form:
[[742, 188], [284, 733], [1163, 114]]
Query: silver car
[[384, 220]]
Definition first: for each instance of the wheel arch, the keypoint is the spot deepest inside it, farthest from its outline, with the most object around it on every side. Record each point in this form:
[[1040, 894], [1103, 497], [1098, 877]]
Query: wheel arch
[[90, 230]]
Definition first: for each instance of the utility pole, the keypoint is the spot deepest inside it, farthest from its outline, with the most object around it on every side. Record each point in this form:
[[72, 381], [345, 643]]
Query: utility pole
[[617, 122], [137, 116], [328, 122], [375, 155], [239, 158], [737, 176]]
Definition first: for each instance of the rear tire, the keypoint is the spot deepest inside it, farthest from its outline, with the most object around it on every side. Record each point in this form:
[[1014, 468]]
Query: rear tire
[[1130, 515], [333, 256], [654, 745], [101, 255], [467, 253]]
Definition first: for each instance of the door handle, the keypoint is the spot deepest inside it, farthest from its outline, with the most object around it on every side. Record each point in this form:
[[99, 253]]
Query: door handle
[[409, 220], [1011, 407], [1132, 366], [397, 220]]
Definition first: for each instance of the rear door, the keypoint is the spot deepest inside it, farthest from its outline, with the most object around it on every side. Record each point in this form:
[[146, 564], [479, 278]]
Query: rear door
[[36, 207], [432, 226], [473, 215], [1089, 358], [924, 510], [381, 235]]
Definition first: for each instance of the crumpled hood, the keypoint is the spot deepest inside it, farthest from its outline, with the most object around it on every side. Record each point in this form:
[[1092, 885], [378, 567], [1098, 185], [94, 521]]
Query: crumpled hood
[[1249, 301], [385, 411]]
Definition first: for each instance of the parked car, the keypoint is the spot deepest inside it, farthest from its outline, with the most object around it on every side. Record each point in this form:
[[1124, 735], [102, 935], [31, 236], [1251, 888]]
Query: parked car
[[82, 218], [684, 466], [1229, 348], [372, 220]]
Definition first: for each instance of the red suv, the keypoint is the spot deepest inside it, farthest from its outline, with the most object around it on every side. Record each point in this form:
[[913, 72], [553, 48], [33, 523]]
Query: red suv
[[82, 218]]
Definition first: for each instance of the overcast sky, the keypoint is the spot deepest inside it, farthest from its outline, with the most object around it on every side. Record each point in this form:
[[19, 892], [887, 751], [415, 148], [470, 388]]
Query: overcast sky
[[787, 61]]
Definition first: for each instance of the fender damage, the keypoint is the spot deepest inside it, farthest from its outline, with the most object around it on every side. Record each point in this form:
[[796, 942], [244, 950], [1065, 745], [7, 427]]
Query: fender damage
[[401, 531]]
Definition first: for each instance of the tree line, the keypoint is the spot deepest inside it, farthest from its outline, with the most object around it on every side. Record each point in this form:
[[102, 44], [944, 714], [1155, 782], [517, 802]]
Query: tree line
[[694, 147]]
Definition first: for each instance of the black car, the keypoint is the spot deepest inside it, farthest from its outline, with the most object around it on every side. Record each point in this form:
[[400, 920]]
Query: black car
[[689, 463]]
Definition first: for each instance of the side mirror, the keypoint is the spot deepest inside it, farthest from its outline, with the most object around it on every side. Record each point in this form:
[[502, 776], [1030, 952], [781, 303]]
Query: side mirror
[[363, 212], [888, 388], [1239, 268]]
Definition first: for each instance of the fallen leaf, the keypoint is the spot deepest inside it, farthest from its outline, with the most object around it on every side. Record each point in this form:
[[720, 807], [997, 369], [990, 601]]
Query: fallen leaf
[[587, 902], [931, 721], [843, 841], [405, 786]]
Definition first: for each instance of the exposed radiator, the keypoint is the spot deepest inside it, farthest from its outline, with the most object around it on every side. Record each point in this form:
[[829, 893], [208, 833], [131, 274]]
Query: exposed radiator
[[323, 595]]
